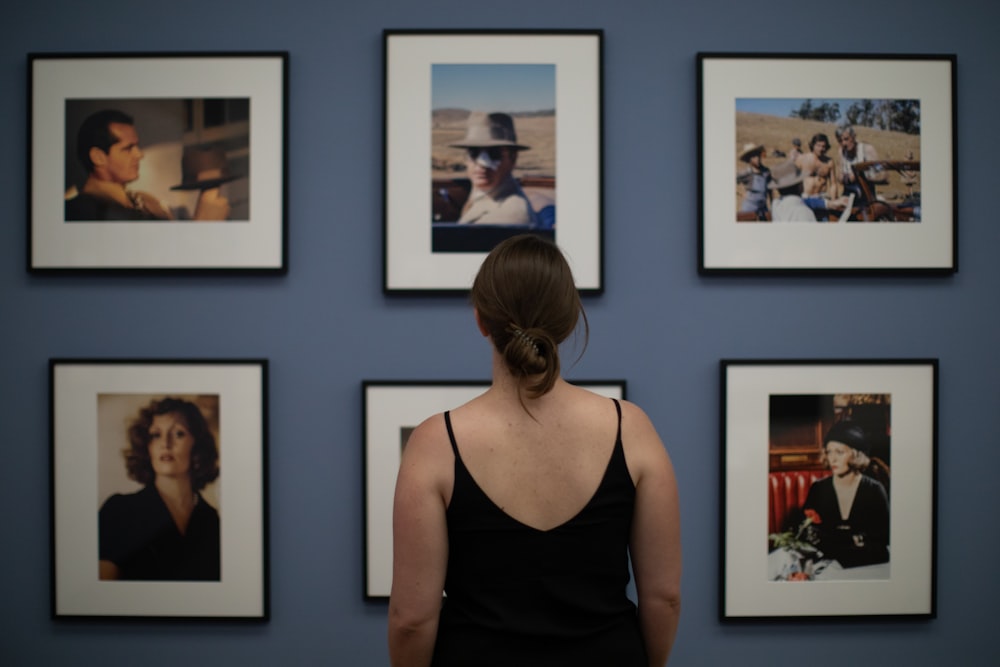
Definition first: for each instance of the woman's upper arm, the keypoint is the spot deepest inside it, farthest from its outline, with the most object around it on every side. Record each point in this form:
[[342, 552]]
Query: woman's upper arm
[[419, 526], [655, 544]]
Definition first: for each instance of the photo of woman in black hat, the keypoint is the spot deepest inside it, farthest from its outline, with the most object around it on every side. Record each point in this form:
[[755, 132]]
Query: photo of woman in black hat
[[853, 507]]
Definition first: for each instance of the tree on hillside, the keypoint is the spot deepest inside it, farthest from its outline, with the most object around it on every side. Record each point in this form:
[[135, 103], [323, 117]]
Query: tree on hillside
[[827, 112], [805, 110], [895, 115], [904, 116], [861, 113]]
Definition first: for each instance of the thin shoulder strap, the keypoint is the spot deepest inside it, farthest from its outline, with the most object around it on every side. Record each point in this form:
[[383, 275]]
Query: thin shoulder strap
[[618, 407], [451, 434]]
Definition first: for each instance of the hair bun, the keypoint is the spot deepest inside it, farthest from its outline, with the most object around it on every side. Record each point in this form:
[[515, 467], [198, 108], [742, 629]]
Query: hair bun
[[527, 350]]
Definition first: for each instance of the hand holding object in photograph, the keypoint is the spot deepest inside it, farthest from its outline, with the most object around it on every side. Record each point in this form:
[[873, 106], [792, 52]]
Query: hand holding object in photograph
[[211, 206], [205, 169]]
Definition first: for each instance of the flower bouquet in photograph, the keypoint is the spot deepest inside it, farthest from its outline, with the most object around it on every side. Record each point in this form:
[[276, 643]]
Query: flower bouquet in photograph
[[800, 558]]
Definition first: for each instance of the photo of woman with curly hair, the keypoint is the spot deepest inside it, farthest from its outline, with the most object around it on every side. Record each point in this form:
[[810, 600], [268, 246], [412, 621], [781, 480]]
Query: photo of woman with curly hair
[[167, 530]]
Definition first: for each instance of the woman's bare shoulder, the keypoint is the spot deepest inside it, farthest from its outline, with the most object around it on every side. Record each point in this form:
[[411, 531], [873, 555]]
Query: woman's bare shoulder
[[644, 449], [636, 421], [426, 462], [428, 435]]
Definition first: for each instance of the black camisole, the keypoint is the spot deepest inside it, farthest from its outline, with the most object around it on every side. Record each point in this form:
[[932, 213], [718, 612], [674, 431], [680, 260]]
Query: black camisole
[[516, 595]]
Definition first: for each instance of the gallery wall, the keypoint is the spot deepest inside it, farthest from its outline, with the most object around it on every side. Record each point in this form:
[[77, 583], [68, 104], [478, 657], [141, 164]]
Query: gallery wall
[[326, 326]]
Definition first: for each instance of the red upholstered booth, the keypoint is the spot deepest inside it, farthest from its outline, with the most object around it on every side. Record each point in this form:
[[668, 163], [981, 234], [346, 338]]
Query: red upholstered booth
[[787, 491]]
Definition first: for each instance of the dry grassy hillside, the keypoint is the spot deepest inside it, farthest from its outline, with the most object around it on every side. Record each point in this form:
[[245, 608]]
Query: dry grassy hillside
[[776, 133], [536, 131]]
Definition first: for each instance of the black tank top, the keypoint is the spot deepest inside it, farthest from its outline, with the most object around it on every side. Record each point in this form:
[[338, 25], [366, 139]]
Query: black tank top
[[516, 595]]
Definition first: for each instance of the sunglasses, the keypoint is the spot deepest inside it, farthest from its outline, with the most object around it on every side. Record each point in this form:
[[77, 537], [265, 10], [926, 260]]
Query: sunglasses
[[495, 153]]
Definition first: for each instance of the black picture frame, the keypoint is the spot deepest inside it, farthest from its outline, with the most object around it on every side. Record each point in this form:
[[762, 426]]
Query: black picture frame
[[890, 206], [549, 83], [209, 137], [94, 404], [390, 410], [776, 416]]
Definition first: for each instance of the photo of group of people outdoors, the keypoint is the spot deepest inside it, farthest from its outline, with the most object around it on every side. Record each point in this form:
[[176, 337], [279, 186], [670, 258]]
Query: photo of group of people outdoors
[[828, 160]]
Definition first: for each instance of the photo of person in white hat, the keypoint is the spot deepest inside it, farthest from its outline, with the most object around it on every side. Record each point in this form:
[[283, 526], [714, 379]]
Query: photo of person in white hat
[[491, 152], [789, 207]]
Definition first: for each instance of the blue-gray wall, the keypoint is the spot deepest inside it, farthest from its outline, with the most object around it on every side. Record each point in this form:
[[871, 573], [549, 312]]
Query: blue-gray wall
[[326, 325]]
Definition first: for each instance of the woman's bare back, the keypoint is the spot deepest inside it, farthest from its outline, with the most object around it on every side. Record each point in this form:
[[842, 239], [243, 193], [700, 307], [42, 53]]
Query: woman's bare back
[[541, 469]]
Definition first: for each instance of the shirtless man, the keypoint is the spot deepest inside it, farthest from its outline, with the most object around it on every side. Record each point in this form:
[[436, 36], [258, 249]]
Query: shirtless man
[[819, 185]]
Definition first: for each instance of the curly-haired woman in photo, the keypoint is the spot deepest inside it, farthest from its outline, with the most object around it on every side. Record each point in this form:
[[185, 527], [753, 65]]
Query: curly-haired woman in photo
[[166, 531]]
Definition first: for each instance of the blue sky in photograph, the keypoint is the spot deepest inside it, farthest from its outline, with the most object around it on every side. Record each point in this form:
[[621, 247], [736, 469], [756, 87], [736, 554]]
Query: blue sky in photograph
[[782, 106], [493, 87]]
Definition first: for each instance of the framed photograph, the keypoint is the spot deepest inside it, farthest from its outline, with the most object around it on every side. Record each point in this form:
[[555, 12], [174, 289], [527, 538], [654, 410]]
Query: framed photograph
[[829, 488], [128, 151], [819, 163], [391, 410], [159, 489], [489, 134]]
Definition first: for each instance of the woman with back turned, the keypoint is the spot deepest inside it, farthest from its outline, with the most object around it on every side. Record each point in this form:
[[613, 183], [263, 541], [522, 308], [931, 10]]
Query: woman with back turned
[[524, 504]]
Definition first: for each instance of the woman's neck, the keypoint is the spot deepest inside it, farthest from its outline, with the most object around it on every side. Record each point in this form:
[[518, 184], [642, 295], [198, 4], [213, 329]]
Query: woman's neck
[[504, 381], [179, 498], [510, 388], [175, 489], [849, 478]]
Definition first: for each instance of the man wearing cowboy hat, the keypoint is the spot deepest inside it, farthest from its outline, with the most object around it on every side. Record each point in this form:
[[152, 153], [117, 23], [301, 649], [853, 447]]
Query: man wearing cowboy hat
[[756, 180], [108, 146], [491, 153], [790, 207]]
